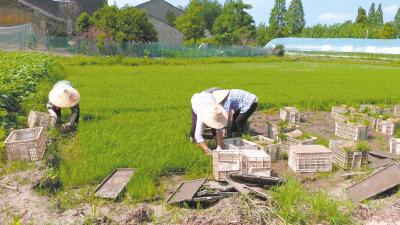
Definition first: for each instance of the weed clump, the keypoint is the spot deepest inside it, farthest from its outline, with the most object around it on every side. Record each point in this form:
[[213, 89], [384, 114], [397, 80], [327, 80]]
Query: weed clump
[[298, 206]]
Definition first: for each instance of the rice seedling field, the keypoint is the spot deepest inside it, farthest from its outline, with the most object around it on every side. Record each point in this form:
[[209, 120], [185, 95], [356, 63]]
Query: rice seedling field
[[139, 116]]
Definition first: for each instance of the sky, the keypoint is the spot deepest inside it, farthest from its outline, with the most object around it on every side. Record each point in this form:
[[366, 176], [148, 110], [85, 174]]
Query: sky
[[316, 11]]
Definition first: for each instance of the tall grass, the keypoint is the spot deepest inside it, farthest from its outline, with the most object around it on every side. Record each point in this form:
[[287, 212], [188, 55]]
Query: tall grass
[[298, 206], [139, 116]]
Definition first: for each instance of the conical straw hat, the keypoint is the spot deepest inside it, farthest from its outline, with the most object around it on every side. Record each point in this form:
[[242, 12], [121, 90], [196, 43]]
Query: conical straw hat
[[214, 116], [64, 97], [220, 95]]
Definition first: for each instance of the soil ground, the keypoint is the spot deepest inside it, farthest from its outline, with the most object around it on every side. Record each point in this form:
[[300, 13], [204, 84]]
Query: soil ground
[[17, 197]]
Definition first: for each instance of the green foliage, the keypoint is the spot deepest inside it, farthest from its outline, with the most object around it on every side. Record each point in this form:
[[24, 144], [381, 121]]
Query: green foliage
[[294, 18], [171, 18], [397, 133], [277, 19], [279, 50], [363, 146], [235, 25], [211, 9], [133, 25], [397, 22], [362, 16], [263, 37], [371, 15], [378, 21], [388, 31], [298, 206], [82, 24], [123, 25], [192, 23], [20, 74]]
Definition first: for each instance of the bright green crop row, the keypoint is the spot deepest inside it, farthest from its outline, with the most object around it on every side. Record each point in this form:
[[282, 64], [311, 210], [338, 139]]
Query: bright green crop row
[[139, 116], [20, 74]]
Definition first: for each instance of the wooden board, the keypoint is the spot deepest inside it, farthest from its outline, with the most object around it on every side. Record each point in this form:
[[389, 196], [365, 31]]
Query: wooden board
[[381, 163], [114, 184], [375, 184], [186, 191]]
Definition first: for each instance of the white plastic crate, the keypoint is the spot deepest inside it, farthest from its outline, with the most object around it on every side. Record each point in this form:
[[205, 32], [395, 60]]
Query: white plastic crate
[[26, 144], [310, 158], [290, 114], [351, 131], [292, 139], [239, 144], [343, 153], [225, 163], [41, 119], [255, 161], [386, 127], [396, 110], [268, 145], [394, 145]]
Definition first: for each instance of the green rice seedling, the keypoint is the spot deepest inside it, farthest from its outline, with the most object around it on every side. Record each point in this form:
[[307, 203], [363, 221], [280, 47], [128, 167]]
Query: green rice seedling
[[299, 206]]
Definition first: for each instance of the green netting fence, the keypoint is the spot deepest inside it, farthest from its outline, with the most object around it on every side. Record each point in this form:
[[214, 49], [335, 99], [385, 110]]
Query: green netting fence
[[22, 38]]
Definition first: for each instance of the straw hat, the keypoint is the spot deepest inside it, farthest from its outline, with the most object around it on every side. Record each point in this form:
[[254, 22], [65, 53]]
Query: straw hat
[[64, 96], [214, 116], [220, 95]]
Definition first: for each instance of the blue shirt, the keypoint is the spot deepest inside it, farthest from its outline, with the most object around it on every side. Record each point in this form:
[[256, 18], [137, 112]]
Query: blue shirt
[[239, 100]]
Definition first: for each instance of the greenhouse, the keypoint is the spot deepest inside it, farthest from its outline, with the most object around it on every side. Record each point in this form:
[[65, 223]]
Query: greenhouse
[[348, 45]]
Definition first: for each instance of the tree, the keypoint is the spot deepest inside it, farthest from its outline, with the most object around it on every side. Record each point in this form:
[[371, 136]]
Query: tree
[[379, 16], [388, 31], [192, 23], [294, 19], [361, 16], [171, 18], [277, 19], [211, 10], [263, 36], [397, 23], [234, 25], [82, 24], [134, 26], [106, 19], [371, 15]]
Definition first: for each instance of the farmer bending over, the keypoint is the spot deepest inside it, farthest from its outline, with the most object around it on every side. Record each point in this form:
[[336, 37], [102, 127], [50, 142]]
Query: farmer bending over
[[205, 111], [64, 95], [242, 103]]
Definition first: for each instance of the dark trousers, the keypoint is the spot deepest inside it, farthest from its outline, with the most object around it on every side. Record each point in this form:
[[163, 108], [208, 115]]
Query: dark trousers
[[73, 120], [239, 120]]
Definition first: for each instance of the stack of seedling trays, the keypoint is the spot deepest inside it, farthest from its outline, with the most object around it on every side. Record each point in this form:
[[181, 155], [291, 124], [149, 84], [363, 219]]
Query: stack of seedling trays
[[310, 158], [270, 146], [387, 127], [354, 132], [255, 162], [297, 137], [344, 153], [225, 163], [394, 145], [290, 114]]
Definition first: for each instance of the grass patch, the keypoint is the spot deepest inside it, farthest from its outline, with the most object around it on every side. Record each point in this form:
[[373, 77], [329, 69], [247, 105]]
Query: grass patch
[[298, 206]]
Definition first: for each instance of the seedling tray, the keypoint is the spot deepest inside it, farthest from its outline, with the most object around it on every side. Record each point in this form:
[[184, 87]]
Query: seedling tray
[[186, 191], [114, 184]]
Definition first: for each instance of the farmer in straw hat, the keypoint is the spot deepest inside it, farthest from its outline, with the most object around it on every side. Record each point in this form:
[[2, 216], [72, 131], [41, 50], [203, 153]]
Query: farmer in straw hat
[[242, 103], [206, 112], [64, 95]]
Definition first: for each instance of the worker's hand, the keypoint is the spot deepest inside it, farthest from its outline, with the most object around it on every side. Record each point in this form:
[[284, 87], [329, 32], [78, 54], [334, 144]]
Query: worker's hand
[[66, 126], [218, 148]]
